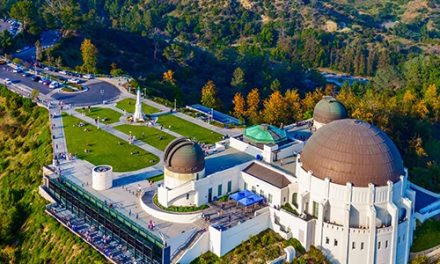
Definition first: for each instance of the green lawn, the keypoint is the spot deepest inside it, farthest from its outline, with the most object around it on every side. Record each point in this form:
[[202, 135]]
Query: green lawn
[[150, 135], [128, 105], [109, 115], [189, 129], [104, 147], [427, 235]]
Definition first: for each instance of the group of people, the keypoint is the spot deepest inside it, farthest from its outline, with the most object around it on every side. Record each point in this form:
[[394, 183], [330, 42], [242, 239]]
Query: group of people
[[151, 225]]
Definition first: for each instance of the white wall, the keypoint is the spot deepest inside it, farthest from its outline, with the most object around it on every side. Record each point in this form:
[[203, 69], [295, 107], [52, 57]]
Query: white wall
[[221, 242], [198, 248], [245, 147]]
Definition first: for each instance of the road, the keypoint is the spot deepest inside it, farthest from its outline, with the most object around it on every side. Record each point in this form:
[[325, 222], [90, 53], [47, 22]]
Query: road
[[48, 39], [91, 96]]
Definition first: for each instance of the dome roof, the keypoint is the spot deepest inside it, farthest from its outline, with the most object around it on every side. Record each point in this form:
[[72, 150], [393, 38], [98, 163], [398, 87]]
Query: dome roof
[[265, 134], [329, 109], [183, 155], [353, 151]]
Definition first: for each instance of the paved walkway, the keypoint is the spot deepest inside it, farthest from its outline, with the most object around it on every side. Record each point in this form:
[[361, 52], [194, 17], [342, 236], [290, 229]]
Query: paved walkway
[[117, 133], [117, 82]]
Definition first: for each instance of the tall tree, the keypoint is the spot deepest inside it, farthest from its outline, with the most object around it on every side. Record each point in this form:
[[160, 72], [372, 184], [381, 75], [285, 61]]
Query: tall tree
[[209, 95], [253, 104], [293, 103], [168, 76], [239, 106], [238, 78], [25, 12], [64, 14], [38, 51], [275, 109], [89, 55], [5, 41]]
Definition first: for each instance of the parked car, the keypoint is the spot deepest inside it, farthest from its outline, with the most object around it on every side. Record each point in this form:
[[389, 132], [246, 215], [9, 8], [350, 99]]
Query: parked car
[[63, 72], [54, 85], [7, 81], [46, 82], [35, 78], [88, 76], [75, 81], [17, 70], [26, 74]]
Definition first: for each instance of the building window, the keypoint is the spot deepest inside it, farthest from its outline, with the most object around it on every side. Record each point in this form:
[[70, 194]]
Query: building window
[[295, 199], [284, 199], [229, 186], [378, 245], [245, 186], [327, 240], [219, 190], [269, 198], [187, 196], [336, 242], [362, 245], [262, 193], [254, 189], [386, 244], [315, 209], [353, 245]]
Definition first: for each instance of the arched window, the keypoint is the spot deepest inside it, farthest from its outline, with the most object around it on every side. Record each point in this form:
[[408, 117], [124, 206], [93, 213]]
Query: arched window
[[295, 199]]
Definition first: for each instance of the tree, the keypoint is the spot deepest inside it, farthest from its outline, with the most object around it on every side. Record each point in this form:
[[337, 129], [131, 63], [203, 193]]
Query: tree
[[238, 78], [275, 109], [38, 51], [253, 106], [168, 76], [5, 41], [293, 103], [275, 85], [65, 14], [34, 94], [25, 12], [239, 106], [89, 55], [209, 95]]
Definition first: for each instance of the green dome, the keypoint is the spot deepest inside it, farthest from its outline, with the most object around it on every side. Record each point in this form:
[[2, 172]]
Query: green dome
[[264, 134], [329, 109]]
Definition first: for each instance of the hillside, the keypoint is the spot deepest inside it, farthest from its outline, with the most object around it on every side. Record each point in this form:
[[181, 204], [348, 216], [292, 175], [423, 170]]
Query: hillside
[[27, 234]]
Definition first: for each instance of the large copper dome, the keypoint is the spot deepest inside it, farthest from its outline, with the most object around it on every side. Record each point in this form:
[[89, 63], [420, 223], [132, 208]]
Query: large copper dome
[[183, 155], [353, 151], [328, 110]]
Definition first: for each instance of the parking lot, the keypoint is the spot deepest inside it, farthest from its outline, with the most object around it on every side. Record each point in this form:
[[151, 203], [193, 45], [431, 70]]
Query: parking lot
[[12, 26], [98, 91]]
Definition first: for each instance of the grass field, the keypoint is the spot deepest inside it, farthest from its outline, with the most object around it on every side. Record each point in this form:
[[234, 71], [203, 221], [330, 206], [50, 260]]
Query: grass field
[[128, 105], [109, 115], [104, 148], [427, 235], [150, 135], [189, 129]]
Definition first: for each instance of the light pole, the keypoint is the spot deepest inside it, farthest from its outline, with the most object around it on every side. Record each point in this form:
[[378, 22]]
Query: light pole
[[102, 96], [175, 105]]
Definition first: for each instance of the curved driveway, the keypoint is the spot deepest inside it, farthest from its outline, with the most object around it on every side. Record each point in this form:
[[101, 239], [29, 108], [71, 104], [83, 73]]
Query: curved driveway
[[90, 97]]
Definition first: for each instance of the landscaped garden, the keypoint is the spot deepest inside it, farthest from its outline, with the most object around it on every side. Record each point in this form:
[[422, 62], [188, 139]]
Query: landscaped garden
[[188, 129], [105, 115], [179, 209], [260, 248], [150, 135], [129, 104], [427, 235], [98, 147]]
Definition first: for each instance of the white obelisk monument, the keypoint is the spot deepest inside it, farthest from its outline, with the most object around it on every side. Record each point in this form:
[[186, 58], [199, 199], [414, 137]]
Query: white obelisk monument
[[138, 115]]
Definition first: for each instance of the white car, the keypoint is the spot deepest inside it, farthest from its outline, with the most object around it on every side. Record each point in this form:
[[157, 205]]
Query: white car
[[54, 85], [88, 76], [63, 72], [75, 81], [7, 81]]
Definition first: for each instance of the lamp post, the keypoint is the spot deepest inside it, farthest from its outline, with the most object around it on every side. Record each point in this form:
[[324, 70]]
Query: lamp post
[[102, 96]]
